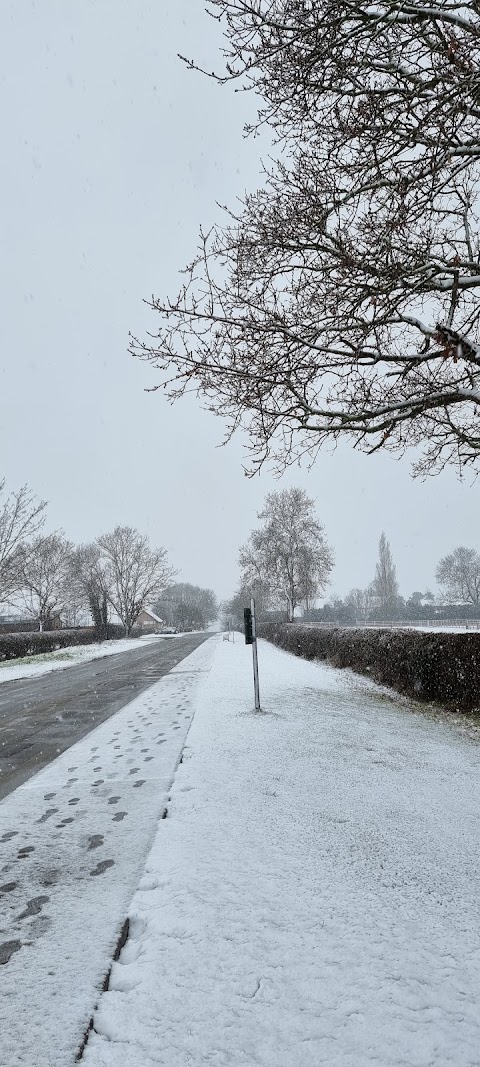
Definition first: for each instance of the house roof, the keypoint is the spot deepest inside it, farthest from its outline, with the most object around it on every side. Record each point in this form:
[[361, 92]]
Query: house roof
[[146, 611]]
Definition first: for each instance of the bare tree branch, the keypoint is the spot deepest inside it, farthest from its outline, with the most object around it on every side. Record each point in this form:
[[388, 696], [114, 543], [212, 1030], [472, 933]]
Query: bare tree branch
[[343, 299], [21, 516], [459, 574], [134, 572], [288, 554], [44, 576]]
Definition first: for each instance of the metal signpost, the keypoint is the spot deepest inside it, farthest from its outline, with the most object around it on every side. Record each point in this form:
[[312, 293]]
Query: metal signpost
[[251, 639]]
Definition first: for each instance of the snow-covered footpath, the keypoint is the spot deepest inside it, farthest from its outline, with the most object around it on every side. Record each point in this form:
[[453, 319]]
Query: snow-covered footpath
[[313, 896], [71, 656], [73, 842]]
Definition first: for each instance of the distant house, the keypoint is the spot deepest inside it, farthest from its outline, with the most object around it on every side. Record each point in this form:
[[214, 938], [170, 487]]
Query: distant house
[[148, 621]]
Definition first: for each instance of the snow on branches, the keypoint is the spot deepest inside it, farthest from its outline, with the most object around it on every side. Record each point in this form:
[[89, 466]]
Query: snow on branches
[[343, 298]]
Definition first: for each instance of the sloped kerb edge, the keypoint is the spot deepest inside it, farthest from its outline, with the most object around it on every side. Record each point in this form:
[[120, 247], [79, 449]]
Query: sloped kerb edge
[[121, 941]]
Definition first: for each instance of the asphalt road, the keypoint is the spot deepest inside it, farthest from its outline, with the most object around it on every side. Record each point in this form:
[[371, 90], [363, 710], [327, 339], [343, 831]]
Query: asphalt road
[[41, 717]]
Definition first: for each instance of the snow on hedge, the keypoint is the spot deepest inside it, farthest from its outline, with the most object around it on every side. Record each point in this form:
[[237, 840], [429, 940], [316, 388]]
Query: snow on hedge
[[70, 656]]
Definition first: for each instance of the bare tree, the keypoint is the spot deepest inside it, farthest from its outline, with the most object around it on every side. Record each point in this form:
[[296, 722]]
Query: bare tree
[[21, 516], [75, 611], [459, 574], [385, 586], [343, 298], [89, 577], [232, 610], [44, 569], [289, 551], [361, 601], [134, 571], [187, 606]]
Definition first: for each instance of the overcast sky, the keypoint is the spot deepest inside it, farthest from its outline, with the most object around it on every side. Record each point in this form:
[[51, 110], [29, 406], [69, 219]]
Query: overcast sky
[[113, 154]]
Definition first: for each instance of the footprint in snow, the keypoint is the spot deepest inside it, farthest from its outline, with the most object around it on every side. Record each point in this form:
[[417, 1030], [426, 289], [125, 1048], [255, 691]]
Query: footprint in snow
[[9, 834], [94, 841], [102, 866], [7, 948], [47, 815], [33, 907], [119, 816]]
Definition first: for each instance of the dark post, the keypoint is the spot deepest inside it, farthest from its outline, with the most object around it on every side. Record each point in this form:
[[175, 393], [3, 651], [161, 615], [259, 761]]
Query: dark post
[[251, 639], [247, 619]]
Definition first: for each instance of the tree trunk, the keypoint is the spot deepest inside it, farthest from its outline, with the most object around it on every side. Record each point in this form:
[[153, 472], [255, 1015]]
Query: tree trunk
[[104, 617]]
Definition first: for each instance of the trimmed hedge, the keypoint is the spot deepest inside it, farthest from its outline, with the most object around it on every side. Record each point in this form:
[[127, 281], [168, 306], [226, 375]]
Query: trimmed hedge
[[440, 667], [15, 646]]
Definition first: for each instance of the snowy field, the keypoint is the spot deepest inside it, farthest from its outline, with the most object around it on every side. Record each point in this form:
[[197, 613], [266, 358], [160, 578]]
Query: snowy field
[[442, 628], [473, 626], [447, 629], [313, 896], [73, 842], [71, 656]]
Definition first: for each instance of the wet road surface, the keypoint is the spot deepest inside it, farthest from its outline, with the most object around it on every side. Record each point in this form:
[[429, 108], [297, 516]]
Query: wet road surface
[[41, 717]]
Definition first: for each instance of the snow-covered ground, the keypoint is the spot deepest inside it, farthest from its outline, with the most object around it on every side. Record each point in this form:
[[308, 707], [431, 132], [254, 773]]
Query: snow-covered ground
[[71, 656], [447, 629], [73, 842], [442, 628], [313, 896]]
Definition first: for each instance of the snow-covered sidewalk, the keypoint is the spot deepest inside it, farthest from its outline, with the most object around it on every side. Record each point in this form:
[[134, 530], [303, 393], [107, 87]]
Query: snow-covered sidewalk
[[313, 896], [70, 656], [73, 843]]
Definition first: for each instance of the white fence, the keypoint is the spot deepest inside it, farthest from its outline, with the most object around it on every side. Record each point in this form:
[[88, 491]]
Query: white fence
[[400, 624]]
